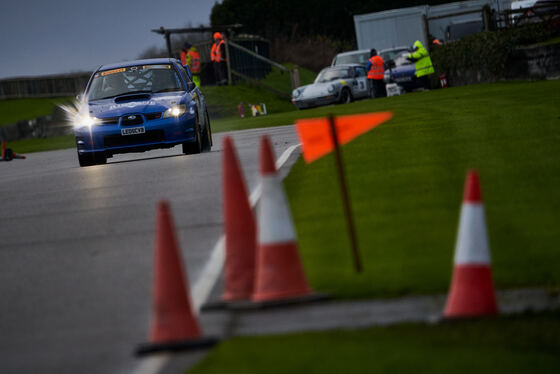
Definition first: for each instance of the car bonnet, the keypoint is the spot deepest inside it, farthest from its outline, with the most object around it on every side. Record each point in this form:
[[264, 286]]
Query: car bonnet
[[320, 89], [115, 107]]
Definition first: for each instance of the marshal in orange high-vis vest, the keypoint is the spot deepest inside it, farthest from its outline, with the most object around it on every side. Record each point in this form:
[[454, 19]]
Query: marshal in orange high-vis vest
[[377, 70], [216, 52]]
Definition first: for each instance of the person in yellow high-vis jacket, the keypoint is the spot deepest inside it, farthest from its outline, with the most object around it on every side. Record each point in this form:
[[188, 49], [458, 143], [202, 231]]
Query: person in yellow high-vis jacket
[[422, 63], [190, 56]]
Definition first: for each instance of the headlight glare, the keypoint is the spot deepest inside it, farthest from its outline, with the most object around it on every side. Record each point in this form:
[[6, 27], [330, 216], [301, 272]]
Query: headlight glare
[[84, 120]]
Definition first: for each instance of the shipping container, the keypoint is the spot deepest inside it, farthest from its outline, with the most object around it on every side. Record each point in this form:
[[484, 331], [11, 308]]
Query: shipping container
[[403, 26], [391, 28]]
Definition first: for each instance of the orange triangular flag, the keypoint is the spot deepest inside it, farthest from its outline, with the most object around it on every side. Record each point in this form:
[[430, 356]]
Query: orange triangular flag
[[315, 134]]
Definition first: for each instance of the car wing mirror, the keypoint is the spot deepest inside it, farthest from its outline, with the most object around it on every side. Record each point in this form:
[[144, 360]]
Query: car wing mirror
[[191, 86]]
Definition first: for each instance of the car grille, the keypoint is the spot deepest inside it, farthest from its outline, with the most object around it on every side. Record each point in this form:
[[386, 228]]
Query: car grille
[[152, 116], [132, 120], [110, 121], [138, 139]]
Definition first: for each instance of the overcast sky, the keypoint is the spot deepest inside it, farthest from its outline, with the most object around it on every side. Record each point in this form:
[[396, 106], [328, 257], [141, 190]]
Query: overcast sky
[[40, 37]]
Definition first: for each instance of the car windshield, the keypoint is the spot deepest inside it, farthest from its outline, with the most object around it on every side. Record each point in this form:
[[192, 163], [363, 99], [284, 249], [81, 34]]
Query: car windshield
[[401, 59], [331, 74], [354, 58], [392, 54], [134, 79]]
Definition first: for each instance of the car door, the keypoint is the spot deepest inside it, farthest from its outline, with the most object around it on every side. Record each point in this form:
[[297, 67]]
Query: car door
[[196, 95], [360, 88]]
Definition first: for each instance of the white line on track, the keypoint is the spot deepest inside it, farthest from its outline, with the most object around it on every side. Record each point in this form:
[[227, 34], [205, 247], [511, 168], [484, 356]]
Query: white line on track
[[209, 276]]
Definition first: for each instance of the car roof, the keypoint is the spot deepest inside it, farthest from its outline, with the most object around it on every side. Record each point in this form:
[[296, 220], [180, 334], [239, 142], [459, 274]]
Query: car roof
[[393, 48], [125, 64], [343, 66], [356, 52]]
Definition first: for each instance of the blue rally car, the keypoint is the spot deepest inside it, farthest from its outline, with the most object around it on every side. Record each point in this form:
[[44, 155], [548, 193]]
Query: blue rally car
[[140, 105]]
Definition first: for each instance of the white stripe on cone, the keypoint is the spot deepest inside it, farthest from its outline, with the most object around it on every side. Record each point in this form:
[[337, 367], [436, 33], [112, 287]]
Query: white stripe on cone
[[274, 219], [472, 239]]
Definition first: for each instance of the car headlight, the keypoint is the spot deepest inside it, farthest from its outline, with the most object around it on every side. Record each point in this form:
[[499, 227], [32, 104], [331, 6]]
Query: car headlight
[[332, 88], [85, 120], [175, 111], [296, 93]]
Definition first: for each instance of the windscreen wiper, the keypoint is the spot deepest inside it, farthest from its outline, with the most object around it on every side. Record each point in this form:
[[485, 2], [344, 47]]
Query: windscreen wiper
[[125, 94], [167, 90]]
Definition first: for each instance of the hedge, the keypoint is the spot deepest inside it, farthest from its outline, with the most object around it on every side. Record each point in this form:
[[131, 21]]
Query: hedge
[[488, 55]]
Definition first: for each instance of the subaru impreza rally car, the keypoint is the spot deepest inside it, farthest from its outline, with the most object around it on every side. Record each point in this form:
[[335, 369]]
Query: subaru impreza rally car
[[140, 105]]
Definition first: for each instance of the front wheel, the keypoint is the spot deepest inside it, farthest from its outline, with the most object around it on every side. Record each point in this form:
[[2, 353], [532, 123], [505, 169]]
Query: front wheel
[[90, 159], [85, 160], [194, 147], [345, 96], [207, 137]]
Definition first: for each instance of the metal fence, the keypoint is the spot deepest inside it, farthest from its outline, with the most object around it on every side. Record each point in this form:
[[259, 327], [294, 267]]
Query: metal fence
[[247, 60], [549, 13], [49, 86]]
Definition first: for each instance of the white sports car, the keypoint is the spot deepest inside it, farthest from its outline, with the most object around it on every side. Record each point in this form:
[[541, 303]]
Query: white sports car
[[334, 84]]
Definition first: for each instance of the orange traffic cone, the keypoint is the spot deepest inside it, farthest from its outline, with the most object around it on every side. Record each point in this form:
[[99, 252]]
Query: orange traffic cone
[[279, 273], [15, 155], [239, 227], [472, 290], [174, 326], [7, 154]]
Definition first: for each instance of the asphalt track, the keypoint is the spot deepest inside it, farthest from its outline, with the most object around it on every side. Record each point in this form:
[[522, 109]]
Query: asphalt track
[[76, 248]]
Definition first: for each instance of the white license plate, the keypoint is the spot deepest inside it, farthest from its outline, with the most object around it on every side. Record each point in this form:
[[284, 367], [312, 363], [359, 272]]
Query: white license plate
[[133, 131]]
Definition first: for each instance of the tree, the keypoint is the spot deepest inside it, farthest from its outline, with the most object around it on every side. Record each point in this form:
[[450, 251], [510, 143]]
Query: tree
[[297, 19]]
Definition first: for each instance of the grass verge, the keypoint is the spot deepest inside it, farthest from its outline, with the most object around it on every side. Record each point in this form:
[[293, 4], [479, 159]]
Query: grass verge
[[224, 100], [514, 344], [406, 179], [40, 145], [15, 110]]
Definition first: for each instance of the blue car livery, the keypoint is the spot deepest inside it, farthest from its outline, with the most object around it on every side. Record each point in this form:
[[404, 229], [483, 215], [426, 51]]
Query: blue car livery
[[137, 106], [402, 71]]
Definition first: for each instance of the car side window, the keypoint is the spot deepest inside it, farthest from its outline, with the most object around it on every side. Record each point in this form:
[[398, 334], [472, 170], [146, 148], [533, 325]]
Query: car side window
[[360, 71], [184, 74]]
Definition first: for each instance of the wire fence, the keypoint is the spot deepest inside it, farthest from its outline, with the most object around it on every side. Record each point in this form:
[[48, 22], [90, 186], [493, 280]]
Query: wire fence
[[50, 86], [549, 13], [247, 60]]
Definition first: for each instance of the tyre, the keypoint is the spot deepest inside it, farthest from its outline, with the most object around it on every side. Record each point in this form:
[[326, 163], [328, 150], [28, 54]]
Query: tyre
[[345, 96], [207, 137], [90, 159], [85, 160], [191, 148], [100, 158]]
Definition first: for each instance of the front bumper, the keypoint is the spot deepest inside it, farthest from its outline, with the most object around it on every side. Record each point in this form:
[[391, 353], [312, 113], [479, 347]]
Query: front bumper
[[316, 101], [159, 133]]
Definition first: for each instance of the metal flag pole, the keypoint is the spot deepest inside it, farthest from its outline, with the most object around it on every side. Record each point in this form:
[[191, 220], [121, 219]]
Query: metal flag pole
[[345, 197]]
